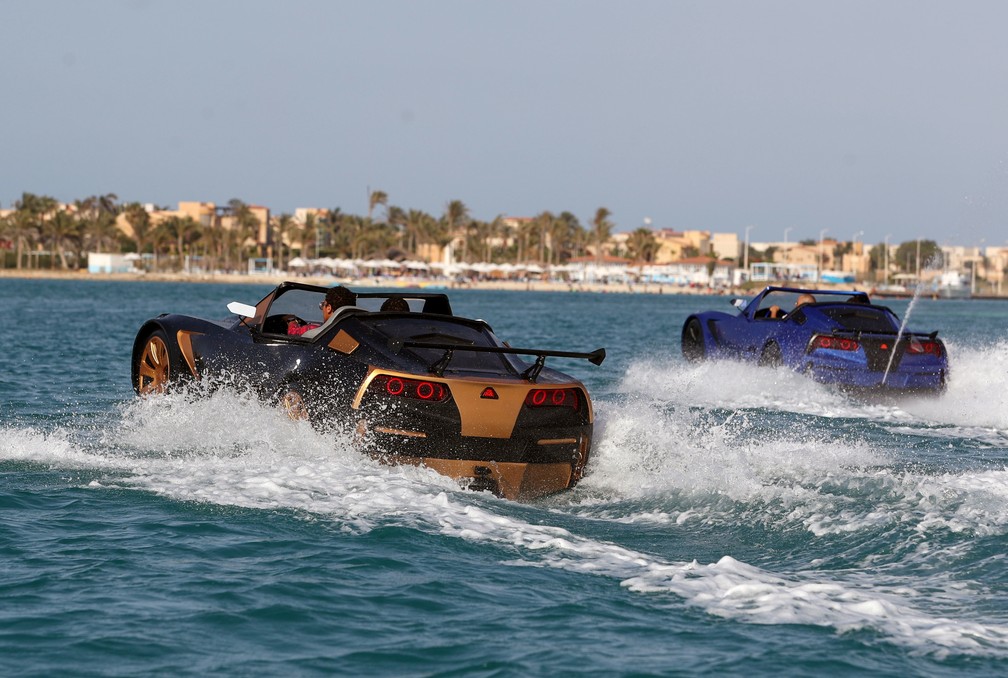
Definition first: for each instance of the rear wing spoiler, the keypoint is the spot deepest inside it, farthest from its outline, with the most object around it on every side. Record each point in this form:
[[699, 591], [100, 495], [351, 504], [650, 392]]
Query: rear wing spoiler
[[532, 373], [858, 334]]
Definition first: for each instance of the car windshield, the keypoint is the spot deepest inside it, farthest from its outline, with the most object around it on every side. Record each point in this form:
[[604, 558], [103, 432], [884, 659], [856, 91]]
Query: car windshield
[[446, 331], [302, 303], [787, 300]]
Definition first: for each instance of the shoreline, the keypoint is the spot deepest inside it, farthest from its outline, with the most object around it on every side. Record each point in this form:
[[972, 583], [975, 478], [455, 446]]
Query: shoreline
[[404, 282], [408, 282]]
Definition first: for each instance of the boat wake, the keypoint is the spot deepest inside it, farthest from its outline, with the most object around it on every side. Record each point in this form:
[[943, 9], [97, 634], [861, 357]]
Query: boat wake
[[696, 457]]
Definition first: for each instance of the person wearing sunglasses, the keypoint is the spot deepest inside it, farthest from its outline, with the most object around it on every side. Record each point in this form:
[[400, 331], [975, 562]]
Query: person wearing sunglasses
[[335, 298]]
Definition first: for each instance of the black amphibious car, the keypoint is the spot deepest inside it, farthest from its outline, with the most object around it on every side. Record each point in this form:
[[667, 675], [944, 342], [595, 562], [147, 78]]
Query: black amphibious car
[[419, 387]]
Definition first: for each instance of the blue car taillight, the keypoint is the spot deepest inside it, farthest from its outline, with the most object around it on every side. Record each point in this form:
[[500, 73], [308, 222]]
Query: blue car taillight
[[835, 343], [924, 347]]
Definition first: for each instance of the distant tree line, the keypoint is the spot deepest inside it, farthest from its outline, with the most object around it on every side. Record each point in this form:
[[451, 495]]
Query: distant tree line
[[40, 233]]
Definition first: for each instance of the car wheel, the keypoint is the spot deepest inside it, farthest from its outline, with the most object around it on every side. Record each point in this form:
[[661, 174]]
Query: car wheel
[[154, 367], [693, 342], [771, 356], [293, 404]]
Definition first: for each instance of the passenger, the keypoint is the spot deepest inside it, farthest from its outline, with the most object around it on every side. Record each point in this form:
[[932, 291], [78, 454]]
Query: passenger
[[335, 298], [395, 305], [804, 299]]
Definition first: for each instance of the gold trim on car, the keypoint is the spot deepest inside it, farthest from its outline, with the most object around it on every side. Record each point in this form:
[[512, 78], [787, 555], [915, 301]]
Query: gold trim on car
[[184, 339], [344, 343], [400, 432]]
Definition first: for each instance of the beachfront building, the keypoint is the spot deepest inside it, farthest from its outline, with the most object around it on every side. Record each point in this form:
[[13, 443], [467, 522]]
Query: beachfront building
[[984, 267], [996, 260], [103, 262], [674, 245], [702, 271], [725, 246], [856, 260]]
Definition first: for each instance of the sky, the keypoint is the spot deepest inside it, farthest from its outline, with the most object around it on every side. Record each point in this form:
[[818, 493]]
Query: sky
[[792, 119]]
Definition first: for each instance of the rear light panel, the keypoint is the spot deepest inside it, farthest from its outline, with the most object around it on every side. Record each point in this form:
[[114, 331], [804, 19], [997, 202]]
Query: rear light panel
[[835, 343], [414, 389], [553, 397], [927, 346]]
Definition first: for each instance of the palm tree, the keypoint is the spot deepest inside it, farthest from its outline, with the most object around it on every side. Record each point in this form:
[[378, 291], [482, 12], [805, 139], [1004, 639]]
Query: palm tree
[[601, 230], [396, 218], [139, 220], [565, 236], [283, 226], [545, 223], [376, 198], [642, 245], [23, 226], [61, 228], [308, 234], [180, 232], [486, 233], [431, 231], [526, 235], [457, 216], [374, 240], [496, 230], [97, 215], [416, 224], [246, 226], [440, 233], [339, 232], [34, 211]]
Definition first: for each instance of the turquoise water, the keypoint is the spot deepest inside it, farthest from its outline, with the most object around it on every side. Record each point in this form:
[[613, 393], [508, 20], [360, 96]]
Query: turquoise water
[[733, 519]]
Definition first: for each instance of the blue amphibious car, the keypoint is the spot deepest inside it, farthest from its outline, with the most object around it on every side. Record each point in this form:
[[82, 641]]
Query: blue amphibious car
[[836, 337]]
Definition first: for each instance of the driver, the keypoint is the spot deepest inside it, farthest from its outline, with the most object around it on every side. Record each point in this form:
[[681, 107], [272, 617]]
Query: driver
[[336, 297], [775, 311]]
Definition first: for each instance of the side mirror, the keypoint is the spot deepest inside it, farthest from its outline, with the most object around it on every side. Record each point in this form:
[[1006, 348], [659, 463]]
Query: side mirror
[[240, 309]]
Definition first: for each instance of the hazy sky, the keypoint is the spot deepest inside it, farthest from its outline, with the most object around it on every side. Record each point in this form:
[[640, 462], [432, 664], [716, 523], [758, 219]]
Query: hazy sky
[[874, 116]]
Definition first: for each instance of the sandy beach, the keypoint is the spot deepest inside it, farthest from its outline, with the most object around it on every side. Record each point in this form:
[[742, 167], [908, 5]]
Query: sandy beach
[[371, 281], [412, 282]]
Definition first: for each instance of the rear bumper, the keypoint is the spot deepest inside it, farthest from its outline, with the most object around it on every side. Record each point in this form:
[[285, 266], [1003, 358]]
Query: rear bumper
[[897, 380], [520, 468], [517, 482]]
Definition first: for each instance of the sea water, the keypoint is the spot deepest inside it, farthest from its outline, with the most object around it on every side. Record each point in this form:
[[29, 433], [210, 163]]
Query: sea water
[[733, 519]]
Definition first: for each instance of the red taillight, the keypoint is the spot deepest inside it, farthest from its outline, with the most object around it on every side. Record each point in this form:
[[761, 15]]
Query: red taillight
[[553, 397], [922, 347], [395, 386], [836, 343], [417, 389]]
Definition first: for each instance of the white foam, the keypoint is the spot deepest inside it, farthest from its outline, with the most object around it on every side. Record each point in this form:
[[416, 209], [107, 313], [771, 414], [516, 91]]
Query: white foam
[[230, 450], [976, 398], [735, 590]]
